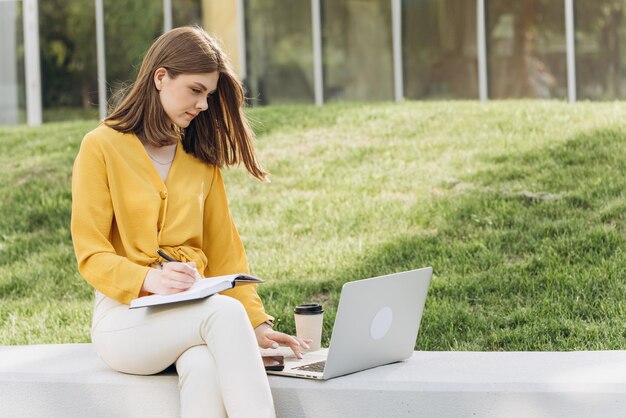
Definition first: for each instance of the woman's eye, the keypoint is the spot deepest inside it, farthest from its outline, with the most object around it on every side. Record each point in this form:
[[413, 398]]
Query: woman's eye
[[196, 91]]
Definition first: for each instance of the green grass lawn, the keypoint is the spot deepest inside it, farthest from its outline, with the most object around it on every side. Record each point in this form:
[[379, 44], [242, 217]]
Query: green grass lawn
[[520, 207]]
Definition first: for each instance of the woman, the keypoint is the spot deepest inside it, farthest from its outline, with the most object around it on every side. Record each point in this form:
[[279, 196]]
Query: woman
[[149, 177]]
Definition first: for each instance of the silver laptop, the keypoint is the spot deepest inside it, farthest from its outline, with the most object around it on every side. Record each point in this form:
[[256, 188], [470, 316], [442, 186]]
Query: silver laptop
[[377, 323]]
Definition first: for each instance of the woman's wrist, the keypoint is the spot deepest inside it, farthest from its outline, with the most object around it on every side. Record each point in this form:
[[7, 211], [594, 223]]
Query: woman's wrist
[[152, 277], [264, 325]]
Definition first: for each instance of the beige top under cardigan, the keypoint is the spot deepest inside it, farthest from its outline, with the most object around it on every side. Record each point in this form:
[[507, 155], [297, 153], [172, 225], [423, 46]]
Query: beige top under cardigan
[[122, 211]]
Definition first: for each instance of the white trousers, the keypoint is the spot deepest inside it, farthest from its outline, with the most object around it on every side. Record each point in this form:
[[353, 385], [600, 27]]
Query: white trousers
[[211, 341]]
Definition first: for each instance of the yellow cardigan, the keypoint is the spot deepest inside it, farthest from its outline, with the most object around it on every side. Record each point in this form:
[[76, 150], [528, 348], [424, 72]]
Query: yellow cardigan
[[122, 212]]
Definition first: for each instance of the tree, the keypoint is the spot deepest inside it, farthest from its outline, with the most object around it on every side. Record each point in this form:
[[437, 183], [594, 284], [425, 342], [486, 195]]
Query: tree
[[68, 44]]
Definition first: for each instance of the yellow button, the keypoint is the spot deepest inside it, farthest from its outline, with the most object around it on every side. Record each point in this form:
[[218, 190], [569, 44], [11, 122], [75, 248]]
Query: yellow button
[[163, 194]]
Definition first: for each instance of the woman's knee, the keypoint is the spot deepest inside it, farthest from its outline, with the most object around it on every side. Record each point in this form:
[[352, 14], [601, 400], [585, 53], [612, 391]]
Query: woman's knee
[[227, 306], [223, 316]]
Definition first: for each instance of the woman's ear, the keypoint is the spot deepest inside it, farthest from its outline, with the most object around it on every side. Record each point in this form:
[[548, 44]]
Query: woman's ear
[[159, 74]]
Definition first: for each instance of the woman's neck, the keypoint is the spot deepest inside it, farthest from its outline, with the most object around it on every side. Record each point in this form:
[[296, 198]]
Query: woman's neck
[[162, 158]]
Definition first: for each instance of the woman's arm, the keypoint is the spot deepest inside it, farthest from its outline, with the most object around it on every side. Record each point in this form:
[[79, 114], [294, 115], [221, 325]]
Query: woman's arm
[[225, 252], [226, 255], [92, 223]]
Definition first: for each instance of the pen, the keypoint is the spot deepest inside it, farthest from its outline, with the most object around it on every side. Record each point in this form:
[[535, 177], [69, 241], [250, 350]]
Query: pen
[[168, 257], [165, 255]]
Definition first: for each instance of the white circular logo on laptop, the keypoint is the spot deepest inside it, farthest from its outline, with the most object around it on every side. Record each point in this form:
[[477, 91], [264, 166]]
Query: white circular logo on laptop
[[381, 323]]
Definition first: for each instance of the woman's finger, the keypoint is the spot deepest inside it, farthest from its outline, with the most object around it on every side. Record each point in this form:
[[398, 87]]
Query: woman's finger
[[179, 277], [291, 340], [267, 343], [304, 343], [183, 268], [196, 273], [174, 284], [287, 340]]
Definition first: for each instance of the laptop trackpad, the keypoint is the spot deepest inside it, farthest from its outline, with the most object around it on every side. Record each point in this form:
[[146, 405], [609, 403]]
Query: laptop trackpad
[[290, 357]]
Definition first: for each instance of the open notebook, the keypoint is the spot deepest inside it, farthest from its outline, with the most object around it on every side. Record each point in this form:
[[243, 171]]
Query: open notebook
[[200, 289]]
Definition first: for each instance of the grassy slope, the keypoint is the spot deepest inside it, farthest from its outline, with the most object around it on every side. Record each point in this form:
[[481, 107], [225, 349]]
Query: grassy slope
[[518, 206]]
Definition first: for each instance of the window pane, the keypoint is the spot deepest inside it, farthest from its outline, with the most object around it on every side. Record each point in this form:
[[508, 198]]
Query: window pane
[[12, 90], [186, 12], [526, 48], [600, 49], [439, 49], [67, 38], [130, 28], [279, 50], [357, 50]]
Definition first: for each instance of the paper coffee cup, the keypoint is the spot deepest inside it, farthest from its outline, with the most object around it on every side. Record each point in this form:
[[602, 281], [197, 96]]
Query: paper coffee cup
[[309, 320]]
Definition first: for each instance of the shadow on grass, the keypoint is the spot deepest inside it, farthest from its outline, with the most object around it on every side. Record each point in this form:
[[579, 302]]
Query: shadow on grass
[[528, 255]]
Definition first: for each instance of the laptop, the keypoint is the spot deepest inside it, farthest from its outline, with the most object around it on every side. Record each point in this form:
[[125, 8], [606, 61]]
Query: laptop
[[377, 323]]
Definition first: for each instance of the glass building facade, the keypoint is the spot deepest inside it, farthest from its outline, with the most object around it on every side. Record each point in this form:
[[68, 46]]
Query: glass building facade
[[68, 58], [439, 51], [68, 49], [356, 50], [525, 43], [315, 51], [527, 49], [601, 49], [279, 51], [12, 88]]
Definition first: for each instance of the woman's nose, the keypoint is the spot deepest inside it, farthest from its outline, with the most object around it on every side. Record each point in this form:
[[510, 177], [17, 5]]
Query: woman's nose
[[202, 104]]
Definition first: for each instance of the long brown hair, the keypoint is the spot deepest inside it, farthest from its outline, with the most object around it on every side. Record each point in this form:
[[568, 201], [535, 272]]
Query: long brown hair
[[218, 136]]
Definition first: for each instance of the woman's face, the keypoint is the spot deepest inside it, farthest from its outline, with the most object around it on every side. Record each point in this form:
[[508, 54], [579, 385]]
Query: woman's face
[[186, 95]]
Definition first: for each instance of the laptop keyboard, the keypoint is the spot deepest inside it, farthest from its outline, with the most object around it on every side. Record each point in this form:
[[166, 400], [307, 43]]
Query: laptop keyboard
[[313, 367]]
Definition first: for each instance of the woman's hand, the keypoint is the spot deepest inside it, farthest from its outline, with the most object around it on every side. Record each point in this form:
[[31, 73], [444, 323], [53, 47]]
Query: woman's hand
[[268, 338], [173, 278]]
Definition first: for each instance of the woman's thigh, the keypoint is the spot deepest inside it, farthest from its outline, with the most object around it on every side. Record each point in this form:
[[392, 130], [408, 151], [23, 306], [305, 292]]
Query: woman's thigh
[[148, 340]]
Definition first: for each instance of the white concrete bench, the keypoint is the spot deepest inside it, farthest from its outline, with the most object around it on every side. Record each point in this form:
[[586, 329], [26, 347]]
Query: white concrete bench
[[71, 381]]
